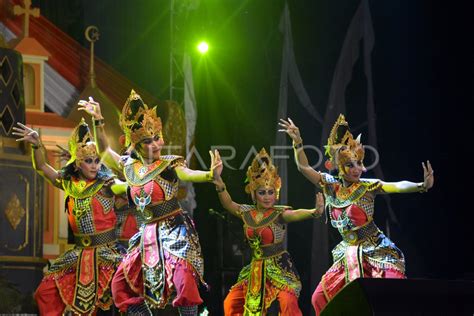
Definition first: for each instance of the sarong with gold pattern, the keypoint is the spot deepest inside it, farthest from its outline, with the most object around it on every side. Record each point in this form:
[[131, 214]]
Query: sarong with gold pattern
[[271, 269]]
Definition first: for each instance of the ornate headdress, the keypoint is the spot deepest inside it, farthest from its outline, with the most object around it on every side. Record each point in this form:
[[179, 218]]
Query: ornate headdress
[[262, 172], [81, 143], [138, 121], [342, 147]]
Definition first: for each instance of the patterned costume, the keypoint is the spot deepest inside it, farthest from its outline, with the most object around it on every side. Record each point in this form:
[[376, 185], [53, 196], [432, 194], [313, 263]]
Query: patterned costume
[[164, 260], [364, 250], [271, 273], [165, 241], [80, 278], [128, 220]]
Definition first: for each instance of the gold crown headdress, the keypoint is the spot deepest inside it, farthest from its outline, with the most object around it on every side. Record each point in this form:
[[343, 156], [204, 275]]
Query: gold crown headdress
[[138, 121], [81, 143], [342, 147], [262, 172]]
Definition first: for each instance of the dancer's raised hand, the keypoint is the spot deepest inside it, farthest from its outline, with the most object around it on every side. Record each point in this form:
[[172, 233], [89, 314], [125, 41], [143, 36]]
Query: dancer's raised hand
[[428, 175], [62, 153], [91, 107], [319, 208], [216, 164], [291, 129], [26, 134]]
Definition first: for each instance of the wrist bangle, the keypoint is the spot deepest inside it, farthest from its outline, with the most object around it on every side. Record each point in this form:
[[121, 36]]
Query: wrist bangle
[[99, 122], [220, 190], [297, 145], [316, 215], [421, 187], [37, 146]]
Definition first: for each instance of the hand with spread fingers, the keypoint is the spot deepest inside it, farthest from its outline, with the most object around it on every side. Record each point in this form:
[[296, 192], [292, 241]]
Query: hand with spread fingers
[[91, 107], [62, 153], [216, 164], [26, 134], [428, 175], [291, 129], [319, 208]]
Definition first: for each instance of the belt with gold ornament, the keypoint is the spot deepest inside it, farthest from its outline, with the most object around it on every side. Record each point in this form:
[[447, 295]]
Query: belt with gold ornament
[[162, 210], [267, 251], [361, 233], [93, 240]]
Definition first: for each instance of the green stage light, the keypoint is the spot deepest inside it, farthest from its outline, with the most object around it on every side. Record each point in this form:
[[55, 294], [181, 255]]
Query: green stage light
[[203, 47]]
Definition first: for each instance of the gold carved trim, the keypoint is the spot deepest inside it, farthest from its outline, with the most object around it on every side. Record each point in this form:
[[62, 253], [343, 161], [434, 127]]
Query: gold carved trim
[[27, 215], [22, 268], [14, 259], [6, 81], [7, 108], [14, 211], [15, 157], [8, 142], [36, 199]]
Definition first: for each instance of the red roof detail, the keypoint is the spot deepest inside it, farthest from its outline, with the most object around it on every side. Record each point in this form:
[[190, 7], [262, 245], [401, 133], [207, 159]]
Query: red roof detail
[[30, 46]]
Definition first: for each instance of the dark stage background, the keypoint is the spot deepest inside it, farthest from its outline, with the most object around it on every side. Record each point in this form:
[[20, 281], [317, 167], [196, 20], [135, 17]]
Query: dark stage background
[[422, 68]]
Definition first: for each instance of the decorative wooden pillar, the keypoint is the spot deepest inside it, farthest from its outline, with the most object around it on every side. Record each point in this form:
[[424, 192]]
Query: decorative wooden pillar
[[21, 191], [21, 188]]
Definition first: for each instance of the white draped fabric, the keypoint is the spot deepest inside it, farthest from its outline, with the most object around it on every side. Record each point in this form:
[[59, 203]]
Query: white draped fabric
[[189, 203]]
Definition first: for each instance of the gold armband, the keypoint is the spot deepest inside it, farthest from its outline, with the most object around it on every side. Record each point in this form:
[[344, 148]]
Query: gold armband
[[220, 190], [37, 146], [99, 122], [421, 187], [298, 145]]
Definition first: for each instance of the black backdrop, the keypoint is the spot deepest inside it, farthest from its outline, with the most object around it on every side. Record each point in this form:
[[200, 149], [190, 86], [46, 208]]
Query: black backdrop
[[422, 68]]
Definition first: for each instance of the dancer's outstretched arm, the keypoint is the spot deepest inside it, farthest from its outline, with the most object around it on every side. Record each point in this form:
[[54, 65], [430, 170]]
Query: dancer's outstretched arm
[[110, 157], [409, 187], [38, 152], [224, 196], [300, 157], [190, 175], [302, 214]]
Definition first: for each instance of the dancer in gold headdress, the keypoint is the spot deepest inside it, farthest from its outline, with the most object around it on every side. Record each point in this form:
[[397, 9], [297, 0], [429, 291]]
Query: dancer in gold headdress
[[164, 258], [79, 280], [271, 274], [364, 250]]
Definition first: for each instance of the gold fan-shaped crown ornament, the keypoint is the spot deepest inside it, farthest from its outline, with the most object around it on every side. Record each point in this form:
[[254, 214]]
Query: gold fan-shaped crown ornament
[[81, 143], [138, 121], [342, 148], [262, 173]]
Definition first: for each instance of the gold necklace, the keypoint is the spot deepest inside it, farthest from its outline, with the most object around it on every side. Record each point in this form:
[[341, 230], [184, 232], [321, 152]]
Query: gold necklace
[[258, 216]]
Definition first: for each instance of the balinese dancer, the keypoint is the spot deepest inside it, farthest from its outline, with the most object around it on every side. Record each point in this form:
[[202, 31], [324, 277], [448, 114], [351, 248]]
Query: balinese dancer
[[364, 250], [271, 273], [164, 260], [79, 280]]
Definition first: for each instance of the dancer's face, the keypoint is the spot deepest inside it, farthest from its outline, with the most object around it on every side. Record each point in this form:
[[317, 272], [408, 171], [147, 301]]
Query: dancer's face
[[150, 148], [353, 170], [89, 167], [265, 197]]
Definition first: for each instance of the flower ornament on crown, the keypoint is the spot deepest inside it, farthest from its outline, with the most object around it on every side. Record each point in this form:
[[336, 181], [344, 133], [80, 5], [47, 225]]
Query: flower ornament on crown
[[342, 148], [81, 143], [262, 173], [138, 121]]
